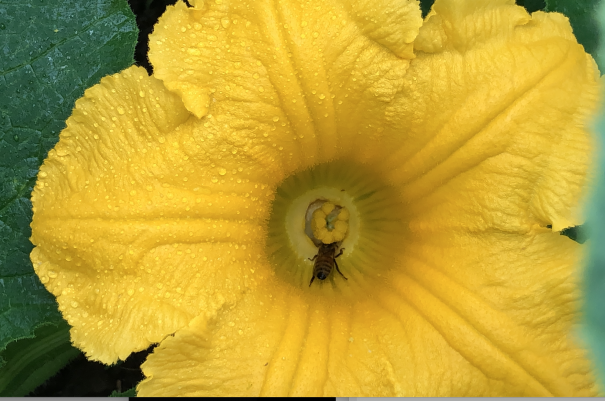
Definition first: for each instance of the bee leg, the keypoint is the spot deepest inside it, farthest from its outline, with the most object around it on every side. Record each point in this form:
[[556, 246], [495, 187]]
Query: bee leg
[[314, 257], [312, 278], [339, 253], [336, 264]]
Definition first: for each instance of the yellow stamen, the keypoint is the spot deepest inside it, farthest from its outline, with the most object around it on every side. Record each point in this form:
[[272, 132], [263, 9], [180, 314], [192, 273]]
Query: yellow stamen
[[330, 223]]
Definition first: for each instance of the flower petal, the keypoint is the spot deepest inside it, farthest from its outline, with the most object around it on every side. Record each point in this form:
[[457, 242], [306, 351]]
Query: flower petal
[[287, 76], [475, 325], [506, 302], [496, 125], [133, 234]]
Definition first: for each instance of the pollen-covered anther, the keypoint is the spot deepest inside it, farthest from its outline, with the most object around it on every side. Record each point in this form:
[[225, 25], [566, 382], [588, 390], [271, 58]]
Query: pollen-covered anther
[[330, 223]]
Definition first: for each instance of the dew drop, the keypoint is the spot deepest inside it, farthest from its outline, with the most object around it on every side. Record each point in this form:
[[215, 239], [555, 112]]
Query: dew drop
[[322, 96], [255, 76], [141, 94], [42, 174], [276, 119], [193, 51], [130, 291], [161, 139], [44, 279], [95, 136], [74, 304], [222, 171], [52, 274], [121, 110], [214, 180], [261, 89], [225, 22]]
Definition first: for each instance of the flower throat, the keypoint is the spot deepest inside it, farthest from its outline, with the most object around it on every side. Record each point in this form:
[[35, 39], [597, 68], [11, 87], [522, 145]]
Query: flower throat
[[337, 209]]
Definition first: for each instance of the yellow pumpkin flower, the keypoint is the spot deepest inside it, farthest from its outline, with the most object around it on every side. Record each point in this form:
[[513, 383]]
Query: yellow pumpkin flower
[[183, 208]]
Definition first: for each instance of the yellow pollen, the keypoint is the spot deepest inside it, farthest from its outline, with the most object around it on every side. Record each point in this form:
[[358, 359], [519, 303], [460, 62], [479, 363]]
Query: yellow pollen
[[330, 223]]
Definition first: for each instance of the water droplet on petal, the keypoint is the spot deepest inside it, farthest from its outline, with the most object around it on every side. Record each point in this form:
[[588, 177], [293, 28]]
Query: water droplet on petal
[[276, 118], [222, 171], [193, 51]]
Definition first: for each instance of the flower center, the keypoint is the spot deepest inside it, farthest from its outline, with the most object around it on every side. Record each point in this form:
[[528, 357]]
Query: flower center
[[326, 222], [341, 203]]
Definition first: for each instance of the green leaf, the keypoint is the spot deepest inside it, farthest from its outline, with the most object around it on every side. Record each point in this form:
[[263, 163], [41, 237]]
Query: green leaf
[[51, 52], [593, 283], [128, 393], [32, 361], [582, 16]]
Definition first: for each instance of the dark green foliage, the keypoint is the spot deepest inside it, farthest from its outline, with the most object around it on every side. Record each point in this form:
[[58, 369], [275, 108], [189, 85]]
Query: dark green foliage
[[51, 52], [32, 361], [582, 16]]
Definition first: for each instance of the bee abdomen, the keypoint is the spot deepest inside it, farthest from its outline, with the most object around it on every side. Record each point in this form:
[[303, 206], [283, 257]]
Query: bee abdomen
[[323, 267]]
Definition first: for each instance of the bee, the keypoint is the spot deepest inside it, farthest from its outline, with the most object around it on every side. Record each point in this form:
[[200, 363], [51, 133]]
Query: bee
[[325, 261]]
